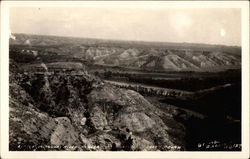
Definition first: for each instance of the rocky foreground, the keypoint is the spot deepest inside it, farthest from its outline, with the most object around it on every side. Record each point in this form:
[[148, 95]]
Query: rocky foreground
[[72, 110]]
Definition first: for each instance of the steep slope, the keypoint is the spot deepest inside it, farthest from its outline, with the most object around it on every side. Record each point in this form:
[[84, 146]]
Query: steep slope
[[71, 110]]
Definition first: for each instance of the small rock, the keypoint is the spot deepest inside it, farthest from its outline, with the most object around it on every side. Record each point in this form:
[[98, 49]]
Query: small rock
[[83, 121]]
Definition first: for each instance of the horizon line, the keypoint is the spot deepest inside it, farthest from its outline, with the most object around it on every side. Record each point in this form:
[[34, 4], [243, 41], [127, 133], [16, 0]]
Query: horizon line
[[126, 40]]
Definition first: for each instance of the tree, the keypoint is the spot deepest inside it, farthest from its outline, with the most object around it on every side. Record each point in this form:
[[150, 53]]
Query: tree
[[107, 74]]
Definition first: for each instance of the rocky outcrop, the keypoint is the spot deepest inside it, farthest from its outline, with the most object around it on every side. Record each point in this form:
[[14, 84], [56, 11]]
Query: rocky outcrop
[[32, 128], [64, 134], [126, 109], [65, 112]]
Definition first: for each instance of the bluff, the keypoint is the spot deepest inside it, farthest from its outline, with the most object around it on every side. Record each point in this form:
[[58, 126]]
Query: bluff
[[72, 110]]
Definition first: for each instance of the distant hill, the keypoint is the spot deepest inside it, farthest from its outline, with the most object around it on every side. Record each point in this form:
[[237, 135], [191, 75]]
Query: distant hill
[[161, 56]]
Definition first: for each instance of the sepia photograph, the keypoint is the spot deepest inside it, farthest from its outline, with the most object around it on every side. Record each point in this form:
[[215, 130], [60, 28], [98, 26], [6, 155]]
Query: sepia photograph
[[138, 77]]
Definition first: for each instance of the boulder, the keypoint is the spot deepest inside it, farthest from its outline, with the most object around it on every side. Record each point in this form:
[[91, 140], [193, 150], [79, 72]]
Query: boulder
[[64, 134], [98, 118]]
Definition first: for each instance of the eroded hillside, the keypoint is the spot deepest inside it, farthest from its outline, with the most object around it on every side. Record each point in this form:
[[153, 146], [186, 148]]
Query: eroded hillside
[[71, 110], [139, 55], [89, 94]]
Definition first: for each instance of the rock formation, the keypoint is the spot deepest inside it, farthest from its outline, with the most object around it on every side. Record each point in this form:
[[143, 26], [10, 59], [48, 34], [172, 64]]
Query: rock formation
[[61, 111]]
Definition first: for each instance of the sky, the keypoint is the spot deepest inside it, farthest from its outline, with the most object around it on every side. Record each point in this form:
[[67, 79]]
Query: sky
[[196, 25]]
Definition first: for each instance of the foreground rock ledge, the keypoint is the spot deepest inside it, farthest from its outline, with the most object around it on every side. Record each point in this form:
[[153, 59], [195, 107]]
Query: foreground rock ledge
[[81, 113]]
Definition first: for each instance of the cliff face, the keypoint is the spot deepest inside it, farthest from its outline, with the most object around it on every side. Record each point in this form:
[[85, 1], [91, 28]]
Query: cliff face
[[75, 111]]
